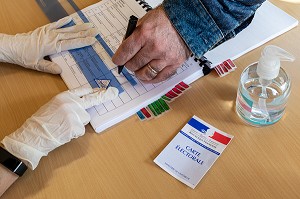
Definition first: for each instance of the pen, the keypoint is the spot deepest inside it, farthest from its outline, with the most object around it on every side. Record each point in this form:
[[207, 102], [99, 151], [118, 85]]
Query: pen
[[130, 28]]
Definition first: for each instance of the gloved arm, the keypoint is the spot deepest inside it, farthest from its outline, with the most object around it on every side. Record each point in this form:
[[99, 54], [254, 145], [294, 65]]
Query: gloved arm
[[54, 124], [29, 49]]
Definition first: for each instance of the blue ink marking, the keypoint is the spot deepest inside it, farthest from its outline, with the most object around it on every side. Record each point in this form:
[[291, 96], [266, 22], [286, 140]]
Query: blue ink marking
[[94, 69], [129, 77], [92, 66], [107, 49], [104, 45], [98, 37]]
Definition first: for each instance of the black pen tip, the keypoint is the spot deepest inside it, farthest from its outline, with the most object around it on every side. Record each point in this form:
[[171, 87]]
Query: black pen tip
[[134, 18]]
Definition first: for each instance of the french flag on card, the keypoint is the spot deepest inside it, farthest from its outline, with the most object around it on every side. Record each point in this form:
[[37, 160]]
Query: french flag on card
[[193, 151], [220, 138], [209, 130]]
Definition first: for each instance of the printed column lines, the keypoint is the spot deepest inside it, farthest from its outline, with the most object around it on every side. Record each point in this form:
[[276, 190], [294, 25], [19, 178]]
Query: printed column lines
[[110, 52], [81, 55], [98, 111]]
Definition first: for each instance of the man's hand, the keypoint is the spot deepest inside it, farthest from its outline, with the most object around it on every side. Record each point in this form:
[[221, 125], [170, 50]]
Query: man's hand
[[55, 123], [29, 49], [154, 50]]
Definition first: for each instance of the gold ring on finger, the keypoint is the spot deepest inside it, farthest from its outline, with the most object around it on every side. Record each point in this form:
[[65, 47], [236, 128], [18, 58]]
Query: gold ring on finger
[[152, 70]]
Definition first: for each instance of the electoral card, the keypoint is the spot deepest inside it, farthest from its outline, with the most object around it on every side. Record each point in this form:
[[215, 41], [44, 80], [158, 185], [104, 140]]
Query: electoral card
[[193, 151]]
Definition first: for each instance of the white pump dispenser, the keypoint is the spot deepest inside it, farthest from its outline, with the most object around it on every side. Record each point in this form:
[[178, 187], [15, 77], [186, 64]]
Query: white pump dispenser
[[264, 88], [269, 63]]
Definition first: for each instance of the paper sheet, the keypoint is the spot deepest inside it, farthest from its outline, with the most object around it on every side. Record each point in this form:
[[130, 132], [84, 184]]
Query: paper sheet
[[111, 17]]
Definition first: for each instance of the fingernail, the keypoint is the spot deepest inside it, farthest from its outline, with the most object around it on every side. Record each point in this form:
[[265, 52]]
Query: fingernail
[[91, 40], [90, 25], [56, 70]]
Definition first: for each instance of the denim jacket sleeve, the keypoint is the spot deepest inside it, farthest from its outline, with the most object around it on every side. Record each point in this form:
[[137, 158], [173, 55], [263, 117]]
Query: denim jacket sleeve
[[204, 24]]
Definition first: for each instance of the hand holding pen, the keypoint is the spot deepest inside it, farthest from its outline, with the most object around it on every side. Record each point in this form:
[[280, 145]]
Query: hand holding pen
[[155, 50]]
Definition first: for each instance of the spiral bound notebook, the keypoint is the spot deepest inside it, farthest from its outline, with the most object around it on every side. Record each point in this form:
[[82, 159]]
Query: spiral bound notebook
[[88, 66]]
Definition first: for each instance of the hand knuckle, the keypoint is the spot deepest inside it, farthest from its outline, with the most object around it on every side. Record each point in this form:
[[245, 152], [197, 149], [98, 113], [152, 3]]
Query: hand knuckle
[[158, 47], [143, 31]]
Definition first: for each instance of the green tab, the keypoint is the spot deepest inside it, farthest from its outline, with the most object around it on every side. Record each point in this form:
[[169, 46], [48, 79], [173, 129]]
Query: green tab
[[152, 109], [156, 108], [166, 98], [164, 104], [159, 106]]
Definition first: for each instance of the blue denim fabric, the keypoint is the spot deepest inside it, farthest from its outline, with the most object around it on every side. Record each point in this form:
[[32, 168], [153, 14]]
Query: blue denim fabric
[[204, 24]]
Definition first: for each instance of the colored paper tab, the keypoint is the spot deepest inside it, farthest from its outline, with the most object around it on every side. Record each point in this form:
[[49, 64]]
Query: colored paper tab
[[225, 68]]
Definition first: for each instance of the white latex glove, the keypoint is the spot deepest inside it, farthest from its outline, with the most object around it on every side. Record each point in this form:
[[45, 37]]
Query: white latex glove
[[55, 123], [29, 49]]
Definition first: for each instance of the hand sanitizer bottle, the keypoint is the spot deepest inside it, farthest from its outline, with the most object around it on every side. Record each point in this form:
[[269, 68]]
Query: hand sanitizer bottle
[[264, 88]]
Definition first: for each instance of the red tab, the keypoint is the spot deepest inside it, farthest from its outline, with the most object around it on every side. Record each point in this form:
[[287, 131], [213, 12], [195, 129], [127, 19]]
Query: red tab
[[180, 87], [220, 138], [176, 90], [145, 112], [231, 63], [184, 85], [172, 93], [223, 67], [169, 96]]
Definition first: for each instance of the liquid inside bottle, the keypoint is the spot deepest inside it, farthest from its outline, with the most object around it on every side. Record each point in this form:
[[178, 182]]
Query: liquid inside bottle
[[261, 105]]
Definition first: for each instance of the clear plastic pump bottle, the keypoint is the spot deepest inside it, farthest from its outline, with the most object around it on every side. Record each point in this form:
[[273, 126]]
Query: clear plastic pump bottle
[[264, 88]]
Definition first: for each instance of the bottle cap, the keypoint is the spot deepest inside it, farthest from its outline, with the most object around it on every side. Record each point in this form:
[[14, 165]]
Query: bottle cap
[[269, 63]]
